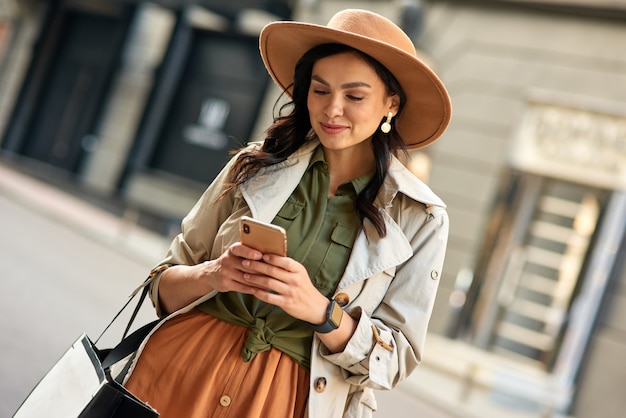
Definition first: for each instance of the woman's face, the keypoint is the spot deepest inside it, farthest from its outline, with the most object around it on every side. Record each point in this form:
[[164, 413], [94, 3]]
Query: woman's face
[[346, 102]]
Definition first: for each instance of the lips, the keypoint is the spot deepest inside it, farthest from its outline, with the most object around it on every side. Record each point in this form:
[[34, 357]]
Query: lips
[[332, 129]]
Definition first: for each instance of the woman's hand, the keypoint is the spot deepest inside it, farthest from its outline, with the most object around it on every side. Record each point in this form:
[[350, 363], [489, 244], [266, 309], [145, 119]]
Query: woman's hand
[[180, 285], [226, 273], [284, 282]]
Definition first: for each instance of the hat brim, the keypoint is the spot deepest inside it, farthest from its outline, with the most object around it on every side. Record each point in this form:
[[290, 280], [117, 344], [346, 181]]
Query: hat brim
[[427, 111]]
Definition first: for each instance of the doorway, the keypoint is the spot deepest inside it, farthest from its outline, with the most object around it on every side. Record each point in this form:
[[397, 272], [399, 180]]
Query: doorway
[[66, 86]]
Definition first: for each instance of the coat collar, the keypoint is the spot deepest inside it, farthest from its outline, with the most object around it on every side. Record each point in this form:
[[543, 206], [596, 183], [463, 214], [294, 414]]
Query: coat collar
[[266, 192], [399, 180]]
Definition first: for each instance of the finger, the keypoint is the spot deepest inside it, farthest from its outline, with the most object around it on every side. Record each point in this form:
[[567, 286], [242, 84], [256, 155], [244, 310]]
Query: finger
[[262, 268], [242, 251], [284, 263], [245, 288], [242, 281], [273, 298], [260, 281]]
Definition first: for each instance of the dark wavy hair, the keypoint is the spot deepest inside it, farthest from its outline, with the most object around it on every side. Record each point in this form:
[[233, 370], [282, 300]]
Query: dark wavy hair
[[292, 129]]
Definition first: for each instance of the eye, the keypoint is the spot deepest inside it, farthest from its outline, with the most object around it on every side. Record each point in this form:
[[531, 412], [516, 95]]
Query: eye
[[319, 92], [354, 98]]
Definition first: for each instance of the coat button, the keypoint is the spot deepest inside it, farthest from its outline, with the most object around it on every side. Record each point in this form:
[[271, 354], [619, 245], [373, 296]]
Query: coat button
[[342, 299], [320, 384], [225, 400]]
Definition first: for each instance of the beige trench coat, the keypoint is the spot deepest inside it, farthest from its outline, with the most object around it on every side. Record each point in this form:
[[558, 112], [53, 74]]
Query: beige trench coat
[[388, 283]]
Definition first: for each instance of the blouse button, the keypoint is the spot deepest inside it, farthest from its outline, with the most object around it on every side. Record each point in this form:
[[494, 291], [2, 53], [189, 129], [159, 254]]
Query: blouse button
[[320, 384], [342, 299], [434, 275], [225, 400]]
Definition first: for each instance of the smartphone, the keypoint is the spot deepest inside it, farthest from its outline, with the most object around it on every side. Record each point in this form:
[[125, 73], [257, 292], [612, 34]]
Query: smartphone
[[262, 236]]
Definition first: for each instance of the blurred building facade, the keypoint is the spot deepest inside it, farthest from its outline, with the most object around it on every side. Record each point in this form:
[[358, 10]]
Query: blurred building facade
[[139, 102]]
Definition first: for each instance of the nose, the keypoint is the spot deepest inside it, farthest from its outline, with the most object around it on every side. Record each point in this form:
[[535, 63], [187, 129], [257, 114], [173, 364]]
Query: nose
[[334, 107]]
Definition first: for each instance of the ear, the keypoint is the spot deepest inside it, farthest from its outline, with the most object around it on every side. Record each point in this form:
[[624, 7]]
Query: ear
[[394, 103]]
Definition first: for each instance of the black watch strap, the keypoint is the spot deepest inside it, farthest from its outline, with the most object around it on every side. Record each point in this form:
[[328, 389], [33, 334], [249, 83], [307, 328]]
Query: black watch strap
[[333, 319]]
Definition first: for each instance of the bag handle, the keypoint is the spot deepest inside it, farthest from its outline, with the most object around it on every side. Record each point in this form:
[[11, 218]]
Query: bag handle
[[144, 293], [144, 287], [129, 345]]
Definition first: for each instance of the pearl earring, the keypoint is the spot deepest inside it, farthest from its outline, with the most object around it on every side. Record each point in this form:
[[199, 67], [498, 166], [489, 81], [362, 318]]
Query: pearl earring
[[386, 125]]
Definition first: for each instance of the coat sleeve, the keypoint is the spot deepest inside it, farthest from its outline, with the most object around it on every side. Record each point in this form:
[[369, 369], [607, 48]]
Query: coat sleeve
[[197, 240], [382, 357]]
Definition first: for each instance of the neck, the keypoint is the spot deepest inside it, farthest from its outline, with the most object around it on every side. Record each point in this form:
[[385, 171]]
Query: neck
[[346, 165]]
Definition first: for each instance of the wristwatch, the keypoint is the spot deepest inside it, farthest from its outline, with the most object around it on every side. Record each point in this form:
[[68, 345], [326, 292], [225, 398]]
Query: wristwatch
[[333, 319]]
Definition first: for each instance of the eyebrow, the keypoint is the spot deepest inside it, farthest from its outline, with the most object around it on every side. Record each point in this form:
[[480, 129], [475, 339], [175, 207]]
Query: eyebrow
[[351, 85]]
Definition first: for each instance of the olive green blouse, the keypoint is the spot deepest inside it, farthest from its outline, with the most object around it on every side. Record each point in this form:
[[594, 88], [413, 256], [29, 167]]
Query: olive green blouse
[[321, 230]]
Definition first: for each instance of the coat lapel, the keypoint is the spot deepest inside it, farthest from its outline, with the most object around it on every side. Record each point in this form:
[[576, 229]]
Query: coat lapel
[[371, 255]]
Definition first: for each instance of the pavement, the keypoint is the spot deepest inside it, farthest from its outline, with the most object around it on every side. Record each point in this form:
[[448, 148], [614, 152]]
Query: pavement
[[68, 266]]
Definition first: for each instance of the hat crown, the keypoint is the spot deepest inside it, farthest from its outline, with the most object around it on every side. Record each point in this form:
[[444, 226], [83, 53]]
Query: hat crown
[[373, 26]]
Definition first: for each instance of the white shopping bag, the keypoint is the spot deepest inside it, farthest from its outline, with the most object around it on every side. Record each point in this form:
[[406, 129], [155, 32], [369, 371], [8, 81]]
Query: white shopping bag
[[68, 387]]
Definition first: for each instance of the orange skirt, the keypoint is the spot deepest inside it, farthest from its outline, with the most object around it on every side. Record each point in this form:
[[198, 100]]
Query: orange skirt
[[192, 367]]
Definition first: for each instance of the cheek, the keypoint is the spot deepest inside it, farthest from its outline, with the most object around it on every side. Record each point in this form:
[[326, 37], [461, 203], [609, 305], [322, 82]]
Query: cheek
[[368, 119], [312, 104]]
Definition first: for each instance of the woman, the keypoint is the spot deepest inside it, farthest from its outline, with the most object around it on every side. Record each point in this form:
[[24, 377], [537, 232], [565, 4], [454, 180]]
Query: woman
[[310, 334]]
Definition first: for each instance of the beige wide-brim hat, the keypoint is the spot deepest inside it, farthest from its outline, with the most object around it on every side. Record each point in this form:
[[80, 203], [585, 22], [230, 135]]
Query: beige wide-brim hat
[[427, 112]]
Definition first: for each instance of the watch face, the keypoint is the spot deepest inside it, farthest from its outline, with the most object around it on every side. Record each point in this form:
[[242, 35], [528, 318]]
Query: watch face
[[336, 314]]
